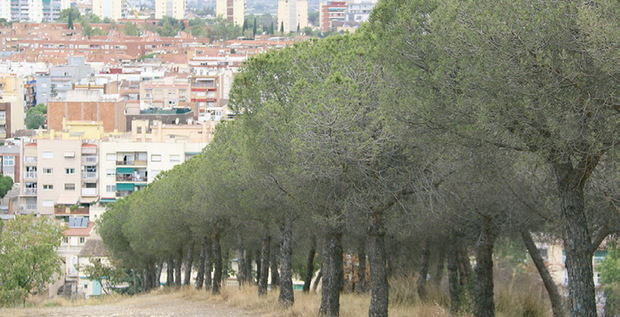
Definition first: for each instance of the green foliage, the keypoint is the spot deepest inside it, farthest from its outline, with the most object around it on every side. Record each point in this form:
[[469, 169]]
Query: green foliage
[[610, 267], [223, 30], [107, 275], [131, 29], [169, 26], [6, 183], [29, 259], [36, 117]]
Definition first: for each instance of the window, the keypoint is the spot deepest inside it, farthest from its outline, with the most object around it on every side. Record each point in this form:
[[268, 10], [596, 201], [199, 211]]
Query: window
[[69, 154], [82, 239], [110, 172], [69, 171], [48, 203], [110, 188], [175, 158], [69, 186], [48, 187], [65, 240], [155, 157], [110, 157], [31, 159], [8, 161], [48, 171], [47, 155]]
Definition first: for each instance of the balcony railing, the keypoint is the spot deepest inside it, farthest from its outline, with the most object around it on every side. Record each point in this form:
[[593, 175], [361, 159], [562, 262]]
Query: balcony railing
[[131, 163], [61, 210], [30, 191], [89, 150], [130, 178], [30, 175], [89, 175], [89, 160], [89, 192], [30, 160]]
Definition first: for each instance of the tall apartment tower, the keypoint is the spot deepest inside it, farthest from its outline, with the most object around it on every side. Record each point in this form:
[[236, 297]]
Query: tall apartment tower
[[231, 10], [27, 10], [52, 9], [111, 9], [292, 15], [170, 8], [5, 10]]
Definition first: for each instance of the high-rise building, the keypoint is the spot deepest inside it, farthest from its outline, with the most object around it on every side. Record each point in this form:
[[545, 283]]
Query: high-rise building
[[5, 10], [332, 13], [111, 9], [27, 10], [52, 9], [170, 8], [231, 10], [292, 15]]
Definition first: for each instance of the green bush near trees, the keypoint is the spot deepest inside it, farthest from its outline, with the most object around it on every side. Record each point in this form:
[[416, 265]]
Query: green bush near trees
[[36, 117], [29, 258]]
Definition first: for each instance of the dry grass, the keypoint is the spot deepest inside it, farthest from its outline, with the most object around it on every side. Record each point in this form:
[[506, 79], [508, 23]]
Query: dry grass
[[306, 305]]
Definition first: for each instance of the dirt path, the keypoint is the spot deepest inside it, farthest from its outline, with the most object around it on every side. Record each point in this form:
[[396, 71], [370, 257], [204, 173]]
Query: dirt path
[[141, 306]]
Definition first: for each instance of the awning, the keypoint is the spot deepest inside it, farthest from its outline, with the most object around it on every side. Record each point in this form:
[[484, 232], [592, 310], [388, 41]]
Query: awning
[[124, 170], [88, 200], [125, 187], [67, 200], [107, 200]]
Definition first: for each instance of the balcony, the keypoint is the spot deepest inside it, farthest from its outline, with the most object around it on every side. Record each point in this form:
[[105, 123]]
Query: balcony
[[28, 209], [90, 175], [30, 191], [131, 178], [63, 210], [89, 192], [30, 175], [89, 160], [89, 150], [131, 163]]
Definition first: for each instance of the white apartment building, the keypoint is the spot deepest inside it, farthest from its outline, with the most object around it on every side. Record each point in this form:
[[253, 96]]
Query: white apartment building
[[128, 166], [27, 10], [5, 10], [292, 15], [231, 10], [112, 9], [170, 8]]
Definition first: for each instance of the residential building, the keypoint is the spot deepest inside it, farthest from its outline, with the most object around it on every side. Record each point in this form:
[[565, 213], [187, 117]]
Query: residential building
[[93, 251], [52, 9], [170, 8], [61, 79], [292, 15], [27, 10], [167, 116], [168, 92], [332, 14], [88, 105], [78, 231], [231, 10], [5, 10], [359, 11], [10, 161], [111, 9], [11, 104]]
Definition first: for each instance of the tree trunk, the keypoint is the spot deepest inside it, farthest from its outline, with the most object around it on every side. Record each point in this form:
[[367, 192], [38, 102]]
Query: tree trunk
[[178, 267], [578, 247], [379, 289], [218, 265], [157, 277], [188, 264], [552, 289], [264, 258], [332, 273], [361, 286], [200, 276], [464, 267], [274, 264], [484, 305], [426, 254], [318, 279], [441, 260], [170, 272], [310, 265], [258, 266], [453, 278], [286, 297], [241, 277], [248, 267]]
